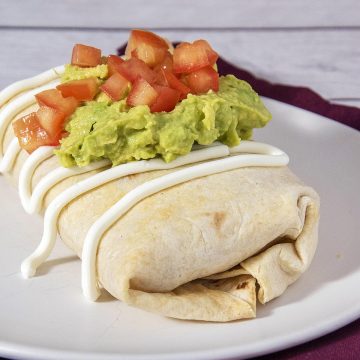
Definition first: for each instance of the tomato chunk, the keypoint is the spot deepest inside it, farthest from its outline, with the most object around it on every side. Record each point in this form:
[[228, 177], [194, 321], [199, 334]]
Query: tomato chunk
[[146, 46], [141, 93], [175, 83], [113, 61], [54, 99], [85, 56], [115, 86], [212, 55], [52, 121], [133, 68], [30, 133], [191, 57], [166, 64], [82, 90], [203, 80], [166, 100]]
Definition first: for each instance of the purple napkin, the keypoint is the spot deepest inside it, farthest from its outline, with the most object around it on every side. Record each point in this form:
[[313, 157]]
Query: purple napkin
[[344, 343], [301, 97]]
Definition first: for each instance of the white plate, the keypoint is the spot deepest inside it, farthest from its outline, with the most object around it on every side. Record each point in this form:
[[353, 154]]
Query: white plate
[[48, 318]]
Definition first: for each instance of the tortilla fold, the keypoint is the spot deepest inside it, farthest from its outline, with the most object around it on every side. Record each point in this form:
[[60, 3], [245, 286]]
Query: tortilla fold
[[200, 249]]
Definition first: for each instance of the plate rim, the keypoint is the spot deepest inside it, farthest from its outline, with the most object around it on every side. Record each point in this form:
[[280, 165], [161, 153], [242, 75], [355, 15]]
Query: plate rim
[[263, 347]]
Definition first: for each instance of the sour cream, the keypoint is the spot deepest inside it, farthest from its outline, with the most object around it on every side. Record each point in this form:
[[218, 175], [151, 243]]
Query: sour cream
[[202, 161]]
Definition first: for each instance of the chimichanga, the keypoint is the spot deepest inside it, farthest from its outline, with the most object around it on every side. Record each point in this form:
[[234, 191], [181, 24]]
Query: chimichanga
[[201, 237], [162, 255]]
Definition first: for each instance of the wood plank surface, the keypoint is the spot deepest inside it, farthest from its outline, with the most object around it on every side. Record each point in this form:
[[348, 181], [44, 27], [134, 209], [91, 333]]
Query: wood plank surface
[[324, 60], [299, 42], [180, 14]]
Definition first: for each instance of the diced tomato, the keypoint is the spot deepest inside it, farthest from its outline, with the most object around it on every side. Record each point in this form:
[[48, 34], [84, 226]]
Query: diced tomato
[[30, 133], [113, 61], [54, 99], [166, 100], [175, 83], [141, 93], [212, 55], [191, 57], [147, 47], [82, 90], [115, 86], [133, 68], [166, 64], [51, 120], [160, 79], [85, 56], [203, 80]]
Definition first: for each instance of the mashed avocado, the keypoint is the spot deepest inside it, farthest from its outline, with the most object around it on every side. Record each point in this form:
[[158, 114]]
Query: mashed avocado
[[100, 129], [78, 73]]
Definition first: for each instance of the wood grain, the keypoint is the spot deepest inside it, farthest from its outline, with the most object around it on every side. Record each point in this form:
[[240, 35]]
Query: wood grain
[[180, 14], [313, 43], [325, 60]]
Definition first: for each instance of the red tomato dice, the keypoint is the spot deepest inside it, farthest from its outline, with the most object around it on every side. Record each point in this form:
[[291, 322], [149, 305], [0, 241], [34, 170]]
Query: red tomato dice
[[85, 56], [82, 90], [212, 55], [115, 86], [54, 99], [176, 84], [166, 64], [160, 79], [147, 47], [203, 80], [52, 121], [113, 61], [166, 100], [141, 93], [191, 57], [30, 133], [133, 68]]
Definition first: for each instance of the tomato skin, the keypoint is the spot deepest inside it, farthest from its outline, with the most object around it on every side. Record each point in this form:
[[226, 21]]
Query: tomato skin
[[133, 68], [30, 134], [113, 61], [166, 64], [191, 57], [54, 99], [212, 55], [176, 84], [203, 80], [146, 46], [160, 79], [166, 100], [85, 56], [82, 90], [52, 121], [141, 93], [115, 86]]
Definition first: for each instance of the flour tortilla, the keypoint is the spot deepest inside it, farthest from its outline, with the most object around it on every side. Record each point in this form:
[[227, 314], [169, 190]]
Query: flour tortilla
[[203, 250]]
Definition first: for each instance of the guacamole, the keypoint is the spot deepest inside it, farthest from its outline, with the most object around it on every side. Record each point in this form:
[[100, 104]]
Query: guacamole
[[102, 129], [78, 73]]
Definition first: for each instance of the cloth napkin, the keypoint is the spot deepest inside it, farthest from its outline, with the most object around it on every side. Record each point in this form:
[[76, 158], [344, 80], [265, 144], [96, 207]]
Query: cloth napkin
[[301, 97], [343, 343]]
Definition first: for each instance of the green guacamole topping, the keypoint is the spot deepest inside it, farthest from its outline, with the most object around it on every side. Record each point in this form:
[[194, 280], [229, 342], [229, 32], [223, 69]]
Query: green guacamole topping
[[78, 73], [100, 129]]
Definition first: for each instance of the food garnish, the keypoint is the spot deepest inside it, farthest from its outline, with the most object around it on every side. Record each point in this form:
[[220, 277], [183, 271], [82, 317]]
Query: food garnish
[[156, 100]]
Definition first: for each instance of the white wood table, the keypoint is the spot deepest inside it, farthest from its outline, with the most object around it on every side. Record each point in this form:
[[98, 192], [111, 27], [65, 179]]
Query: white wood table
[[312, 43], [303, 42]]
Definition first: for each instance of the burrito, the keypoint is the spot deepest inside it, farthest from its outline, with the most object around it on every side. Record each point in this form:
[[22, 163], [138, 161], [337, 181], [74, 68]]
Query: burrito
[[153, 182]]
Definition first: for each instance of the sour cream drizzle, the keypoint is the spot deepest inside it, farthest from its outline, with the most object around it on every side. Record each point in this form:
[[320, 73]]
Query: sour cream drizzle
[[247, 154], [32, 200], [20, 86], [9, 109]]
